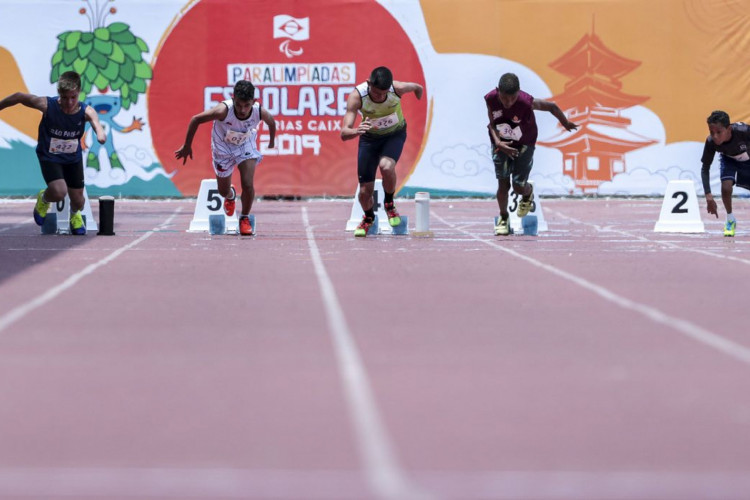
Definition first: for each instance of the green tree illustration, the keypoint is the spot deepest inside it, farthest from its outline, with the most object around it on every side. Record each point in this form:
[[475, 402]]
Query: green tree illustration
[[109, 56]]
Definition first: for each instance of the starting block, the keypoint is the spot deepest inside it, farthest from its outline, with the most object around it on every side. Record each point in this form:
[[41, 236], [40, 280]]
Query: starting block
[[57, 220], [210, 203], [50, 223], [217, 224], [530, 225], [402, 228], [374, 228]]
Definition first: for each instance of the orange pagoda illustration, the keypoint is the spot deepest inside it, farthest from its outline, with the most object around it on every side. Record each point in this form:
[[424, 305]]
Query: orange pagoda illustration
[[593, 99]]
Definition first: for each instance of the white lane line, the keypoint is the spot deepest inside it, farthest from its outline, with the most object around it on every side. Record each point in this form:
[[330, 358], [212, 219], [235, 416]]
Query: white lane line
[[209, 484], [610, 229], [384, 474], [14, 226], [19, 312], [706, 337]]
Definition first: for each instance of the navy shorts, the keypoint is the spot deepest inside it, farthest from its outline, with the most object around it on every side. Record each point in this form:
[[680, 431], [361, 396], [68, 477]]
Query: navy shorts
[[71, 172], [736, 171], [372, 148], [519, 168]]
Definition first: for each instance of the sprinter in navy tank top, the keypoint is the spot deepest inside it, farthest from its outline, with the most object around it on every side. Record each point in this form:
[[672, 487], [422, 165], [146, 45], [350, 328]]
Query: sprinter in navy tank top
[[58, 147]]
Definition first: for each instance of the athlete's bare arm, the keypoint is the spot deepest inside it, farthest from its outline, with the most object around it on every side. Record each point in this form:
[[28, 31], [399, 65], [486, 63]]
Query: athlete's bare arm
[[28, 100], [93, 118], [553, 108], [402, 88], [218, 112], [353, 105], [271, 124]]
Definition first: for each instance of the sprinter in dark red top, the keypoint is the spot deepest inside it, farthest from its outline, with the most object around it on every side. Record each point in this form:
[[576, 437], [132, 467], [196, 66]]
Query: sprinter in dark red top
[[513, 133]]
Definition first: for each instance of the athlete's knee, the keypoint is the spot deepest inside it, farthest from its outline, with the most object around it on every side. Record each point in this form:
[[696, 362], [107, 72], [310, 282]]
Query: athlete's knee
[[56, 192]]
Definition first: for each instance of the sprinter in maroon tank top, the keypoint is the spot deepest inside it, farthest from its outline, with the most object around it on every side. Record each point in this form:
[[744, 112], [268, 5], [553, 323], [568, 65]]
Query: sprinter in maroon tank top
[[513, 133]]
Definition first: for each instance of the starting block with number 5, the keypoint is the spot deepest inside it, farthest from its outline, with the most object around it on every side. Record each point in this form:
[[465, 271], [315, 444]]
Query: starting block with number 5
[[209, 204]]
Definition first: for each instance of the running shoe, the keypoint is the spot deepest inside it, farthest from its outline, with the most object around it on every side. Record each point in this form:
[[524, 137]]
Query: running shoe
[[40, 209], [77, 226], [394, 219], [502, 228], [245, 227], [524, 207], [230, 203], [729, 228], [363, 227]]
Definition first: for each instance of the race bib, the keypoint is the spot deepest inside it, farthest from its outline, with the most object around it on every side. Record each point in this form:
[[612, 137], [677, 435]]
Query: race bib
[[63, 146], [506, 132], [385, 121], [742, 156], [237, 138]]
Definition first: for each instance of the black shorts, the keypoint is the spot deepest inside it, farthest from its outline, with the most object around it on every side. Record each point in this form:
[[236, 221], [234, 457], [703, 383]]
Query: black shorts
[[372, 148], [71, 172], [734, 170], [518, 168]]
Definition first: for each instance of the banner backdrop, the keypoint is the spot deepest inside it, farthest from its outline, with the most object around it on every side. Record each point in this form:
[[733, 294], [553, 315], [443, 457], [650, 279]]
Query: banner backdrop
[[639, 77]]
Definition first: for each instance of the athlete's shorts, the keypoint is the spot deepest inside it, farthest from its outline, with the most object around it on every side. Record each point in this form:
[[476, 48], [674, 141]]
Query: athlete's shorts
[[519, 168], [224, 164], [71, 172], [372, 148], [736, 171]]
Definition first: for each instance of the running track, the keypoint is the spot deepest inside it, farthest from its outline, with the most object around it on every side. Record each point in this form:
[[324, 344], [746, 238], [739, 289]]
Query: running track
[[597, 361]]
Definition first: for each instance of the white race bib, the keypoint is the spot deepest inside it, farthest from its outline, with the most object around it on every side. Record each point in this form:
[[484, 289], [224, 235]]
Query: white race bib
[[506, 132], [385, 121], [742, 156], [63, 146], [237, 138]]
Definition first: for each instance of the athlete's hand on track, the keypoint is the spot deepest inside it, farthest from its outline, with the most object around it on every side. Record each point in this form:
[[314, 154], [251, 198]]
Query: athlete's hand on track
[[711, 207]]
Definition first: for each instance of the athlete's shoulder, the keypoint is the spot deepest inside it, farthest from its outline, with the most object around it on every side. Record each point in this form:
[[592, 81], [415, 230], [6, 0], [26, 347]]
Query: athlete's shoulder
[[525, 97]]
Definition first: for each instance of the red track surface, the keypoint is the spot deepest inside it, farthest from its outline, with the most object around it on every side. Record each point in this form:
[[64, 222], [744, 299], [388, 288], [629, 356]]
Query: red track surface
[[599, 360]]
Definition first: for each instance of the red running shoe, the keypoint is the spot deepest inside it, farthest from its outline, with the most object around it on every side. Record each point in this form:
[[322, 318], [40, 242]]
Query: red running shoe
[[245, 227], [229, 203]]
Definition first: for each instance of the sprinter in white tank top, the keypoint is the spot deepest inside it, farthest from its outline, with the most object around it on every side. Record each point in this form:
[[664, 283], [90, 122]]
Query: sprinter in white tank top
[[233, 143]]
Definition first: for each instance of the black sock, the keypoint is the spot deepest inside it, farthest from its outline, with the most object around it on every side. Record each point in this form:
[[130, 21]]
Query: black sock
[[388, 197], [370, 214]]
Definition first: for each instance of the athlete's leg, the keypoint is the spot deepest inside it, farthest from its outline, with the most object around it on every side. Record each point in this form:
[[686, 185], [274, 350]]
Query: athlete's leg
[[727, 186], [503, 186], [247, 174], [387, 168]]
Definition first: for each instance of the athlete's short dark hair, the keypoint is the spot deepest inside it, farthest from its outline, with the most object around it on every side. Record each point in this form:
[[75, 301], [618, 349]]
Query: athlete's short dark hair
[[381, 78], [70, 80], [718, 116], [509, 84], [244, 90]]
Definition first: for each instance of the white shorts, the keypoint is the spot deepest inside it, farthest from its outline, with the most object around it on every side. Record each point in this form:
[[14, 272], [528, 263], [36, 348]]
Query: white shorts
[[224, 164]]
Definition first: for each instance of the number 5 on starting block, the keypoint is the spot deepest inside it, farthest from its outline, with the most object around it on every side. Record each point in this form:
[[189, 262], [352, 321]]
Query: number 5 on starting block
[[210, 203]]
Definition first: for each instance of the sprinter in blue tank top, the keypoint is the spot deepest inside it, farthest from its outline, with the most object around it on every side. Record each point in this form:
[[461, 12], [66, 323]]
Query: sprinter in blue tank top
[[59, 145]]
